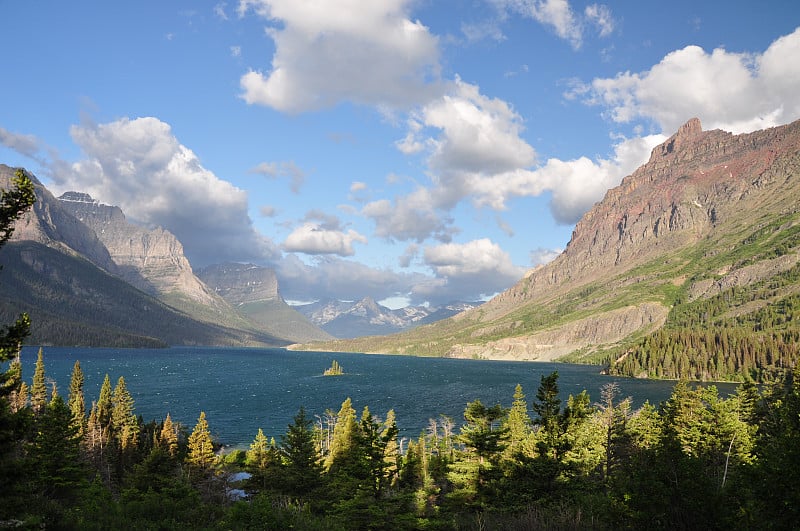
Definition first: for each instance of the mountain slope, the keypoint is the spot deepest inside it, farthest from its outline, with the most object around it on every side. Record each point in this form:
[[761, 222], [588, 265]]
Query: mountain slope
[[253, 291], [708, 211], [72, 302], [63, 274]]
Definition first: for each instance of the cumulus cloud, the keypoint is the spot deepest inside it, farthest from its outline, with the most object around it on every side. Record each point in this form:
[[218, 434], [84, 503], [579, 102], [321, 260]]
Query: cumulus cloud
[[413, 217], [338, 278], [141, 167], [476, 269], [345, 50], [274, 170], [314, 238], [737, 92], [475, 152]]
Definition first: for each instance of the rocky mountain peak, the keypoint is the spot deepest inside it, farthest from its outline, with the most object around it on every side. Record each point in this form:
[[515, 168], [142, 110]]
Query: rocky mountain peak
[[150, 259], [686, 133]]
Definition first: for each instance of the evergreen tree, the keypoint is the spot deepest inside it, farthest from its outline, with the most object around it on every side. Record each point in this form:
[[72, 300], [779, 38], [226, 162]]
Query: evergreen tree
[[201, 458], [11, 383], [343, 435], [76, 402], [391, 452], [39, 387], [548, 408], [168, 438], [54, 460], [302, 475], [105, 407], [518, 424], [125, 425], [261, 459]]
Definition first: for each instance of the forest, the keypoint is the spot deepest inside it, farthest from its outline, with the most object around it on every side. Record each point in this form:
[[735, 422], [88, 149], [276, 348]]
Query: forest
[[697, 460]]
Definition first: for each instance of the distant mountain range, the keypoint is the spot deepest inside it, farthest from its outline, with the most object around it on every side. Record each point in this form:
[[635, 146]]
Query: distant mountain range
[[689, 268], [344, 319]]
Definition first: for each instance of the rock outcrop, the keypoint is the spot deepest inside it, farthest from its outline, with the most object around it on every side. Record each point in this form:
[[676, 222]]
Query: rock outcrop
[[241, 283], [150, 259], [49, 223]]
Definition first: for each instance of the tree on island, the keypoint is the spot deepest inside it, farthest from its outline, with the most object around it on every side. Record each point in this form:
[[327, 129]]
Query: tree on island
[[334, 370]]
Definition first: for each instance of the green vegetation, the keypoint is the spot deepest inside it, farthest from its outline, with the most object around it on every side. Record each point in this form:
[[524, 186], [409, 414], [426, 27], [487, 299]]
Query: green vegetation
[[334, 370], [696, 461], [750, 332]]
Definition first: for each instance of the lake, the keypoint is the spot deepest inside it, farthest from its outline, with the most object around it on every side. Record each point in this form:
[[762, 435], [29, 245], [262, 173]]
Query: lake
[[244, 389]]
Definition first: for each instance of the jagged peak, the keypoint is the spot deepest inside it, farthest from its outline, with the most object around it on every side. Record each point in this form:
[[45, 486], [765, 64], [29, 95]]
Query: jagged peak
[[687, 132], [78, 197]]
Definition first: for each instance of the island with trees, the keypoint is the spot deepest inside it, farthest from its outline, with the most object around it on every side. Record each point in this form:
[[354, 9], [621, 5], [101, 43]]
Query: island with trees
[[334, 370]]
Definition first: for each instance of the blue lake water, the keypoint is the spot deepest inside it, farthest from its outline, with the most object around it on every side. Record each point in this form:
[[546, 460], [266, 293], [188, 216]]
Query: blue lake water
[[244, 389]]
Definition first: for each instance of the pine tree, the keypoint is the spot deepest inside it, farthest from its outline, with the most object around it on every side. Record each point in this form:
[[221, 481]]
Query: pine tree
[[343, 434], [125, 425], [548, 408], [39, 388], [518, 424], [201, 457], [76, 402], [391, 452], [260, 459], [303, 471], [104, 407], [11, 382], [168, 437], [54, 453]]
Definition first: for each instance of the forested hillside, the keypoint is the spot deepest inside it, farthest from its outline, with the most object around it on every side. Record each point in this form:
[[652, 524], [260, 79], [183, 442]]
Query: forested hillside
[[696, 461]]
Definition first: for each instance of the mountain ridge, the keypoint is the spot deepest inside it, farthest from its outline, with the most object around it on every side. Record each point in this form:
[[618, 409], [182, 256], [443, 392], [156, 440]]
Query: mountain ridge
[[672, 229]]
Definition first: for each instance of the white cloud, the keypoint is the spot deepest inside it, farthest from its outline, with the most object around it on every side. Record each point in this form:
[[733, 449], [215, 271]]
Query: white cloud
[[268, 211], [474, 270], [737, 92], [556, 14], [337, 278], [27, 145], [600, 16], [541, 256], [274, 170], [357, 186], [141, 167], [219, 10], [410, 217], [478, 134], [314, 238], [345, 50]]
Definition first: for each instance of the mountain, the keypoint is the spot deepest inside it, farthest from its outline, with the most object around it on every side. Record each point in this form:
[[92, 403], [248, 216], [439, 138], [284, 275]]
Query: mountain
[[711, 216], [87, 276], [367, 318], [253, 291]]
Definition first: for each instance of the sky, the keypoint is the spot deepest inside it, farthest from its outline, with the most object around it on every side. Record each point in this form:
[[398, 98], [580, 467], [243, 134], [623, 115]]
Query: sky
[[410, 151]]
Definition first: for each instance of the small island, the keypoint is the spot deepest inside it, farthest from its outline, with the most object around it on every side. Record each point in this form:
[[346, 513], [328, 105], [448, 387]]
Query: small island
[[334, 370]]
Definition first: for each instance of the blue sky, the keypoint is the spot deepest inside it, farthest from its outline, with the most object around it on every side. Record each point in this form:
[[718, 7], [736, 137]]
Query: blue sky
[[411, 151]]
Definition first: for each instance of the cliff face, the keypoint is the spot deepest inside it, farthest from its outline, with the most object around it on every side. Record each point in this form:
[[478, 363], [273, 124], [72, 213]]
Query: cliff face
[[49, 223], [241, 283], [150, 259]]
